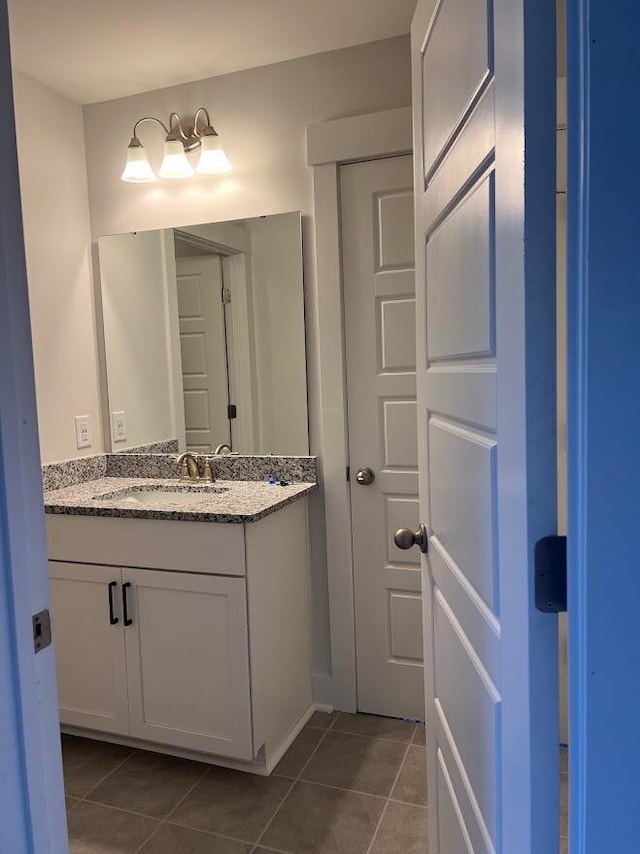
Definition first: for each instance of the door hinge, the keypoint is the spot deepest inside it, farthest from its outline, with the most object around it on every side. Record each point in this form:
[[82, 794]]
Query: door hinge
[[232, 411], [348, 473], [226, 296], [41, 630], [550, 560]]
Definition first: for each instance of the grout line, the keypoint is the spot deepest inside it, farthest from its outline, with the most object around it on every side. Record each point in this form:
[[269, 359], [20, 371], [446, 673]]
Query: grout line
[[388, 800], [269, 848], [174, 808], [121, 809], [374, 737], [408, 803], [188, 792], [340, 789], [106, 776], [290, 789], [210, 833]]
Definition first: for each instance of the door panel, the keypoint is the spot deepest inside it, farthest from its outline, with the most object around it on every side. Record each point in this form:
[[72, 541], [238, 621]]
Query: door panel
[[203, 351], [398, 335], [485, 293], [462, 474], [189, 640], [90, 654], [454, 65], [377, 217], [459, 258]]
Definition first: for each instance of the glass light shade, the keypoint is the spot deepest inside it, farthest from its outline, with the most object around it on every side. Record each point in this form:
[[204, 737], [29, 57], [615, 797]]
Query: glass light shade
[[138, 169], [174, 162], [213, 160]]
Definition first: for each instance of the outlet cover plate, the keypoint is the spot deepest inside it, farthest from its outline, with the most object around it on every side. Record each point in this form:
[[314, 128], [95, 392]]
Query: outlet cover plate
[[83, 431], [119, 427]]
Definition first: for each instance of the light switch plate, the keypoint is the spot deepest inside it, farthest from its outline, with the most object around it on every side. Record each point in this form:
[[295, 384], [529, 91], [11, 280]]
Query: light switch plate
[[83, 431], [119, 427]]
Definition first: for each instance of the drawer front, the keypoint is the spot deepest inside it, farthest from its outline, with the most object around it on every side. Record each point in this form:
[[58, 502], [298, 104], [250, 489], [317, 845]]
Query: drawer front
[[208, 547]]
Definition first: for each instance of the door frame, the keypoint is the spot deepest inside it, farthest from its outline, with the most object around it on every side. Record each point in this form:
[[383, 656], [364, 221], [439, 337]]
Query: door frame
[[32, 807], [329, 146], [603, 362]]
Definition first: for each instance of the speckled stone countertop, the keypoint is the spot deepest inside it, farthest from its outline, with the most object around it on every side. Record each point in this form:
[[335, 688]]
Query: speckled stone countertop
[[232, 501]]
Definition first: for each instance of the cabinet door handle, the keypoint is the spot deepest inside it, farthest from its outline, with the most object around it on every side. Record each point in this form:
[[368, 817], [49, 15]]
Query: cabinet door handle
[[125, 612], [113, 620]]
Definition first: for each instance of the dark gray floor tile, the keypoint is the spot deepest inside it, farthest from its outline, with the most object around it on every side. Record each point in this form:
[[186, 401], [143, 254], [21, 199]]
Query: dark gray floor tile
[[298, 754], [232, 803], [375, 726], [403, 830], [319, 820], [86, 762], [322, 720], [354, 762], [171, 839], [94, 829], [420, 736], [411, 785], [149, 783]]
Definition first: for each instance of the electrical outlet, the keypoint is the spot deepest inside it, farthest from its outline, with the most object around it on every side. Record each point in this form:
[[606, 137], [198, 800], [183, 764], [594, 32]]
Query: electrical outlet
[[119, 427], [83, 431]]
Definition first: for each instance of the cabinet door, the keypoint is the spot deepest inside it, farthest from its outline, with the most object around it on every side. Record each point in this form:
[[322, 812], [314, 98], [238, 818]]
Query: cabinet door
[[188, 661], [90, 652]]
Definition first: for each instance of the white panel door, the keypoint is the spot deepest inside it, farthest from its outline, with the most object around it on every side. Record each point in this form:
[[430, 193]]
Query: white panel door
[[90, 655], [485, 299], [377, 240], [188, 661], [203, 350]]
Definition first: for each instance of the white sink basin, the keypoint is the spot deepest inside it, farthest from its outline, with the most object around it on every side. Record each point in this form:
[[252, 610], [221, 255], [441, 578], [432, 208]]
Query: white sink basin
[[164, 496]]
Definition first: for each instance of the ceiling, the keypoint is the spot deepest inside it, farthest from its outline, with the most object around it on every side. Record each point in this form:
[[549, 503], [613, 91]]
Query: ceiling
[[96, 50]]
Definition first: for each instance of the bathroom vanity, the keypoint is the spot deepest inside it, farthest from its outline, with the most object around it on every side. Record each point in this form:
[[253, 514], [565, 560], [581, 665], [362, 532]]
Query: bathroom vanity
[[181, 614]]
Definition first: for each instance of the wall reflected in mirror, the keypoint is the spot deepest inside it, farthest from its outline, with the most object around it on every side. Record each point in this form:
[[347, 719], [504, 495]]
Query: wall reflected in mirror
[[204, 336]]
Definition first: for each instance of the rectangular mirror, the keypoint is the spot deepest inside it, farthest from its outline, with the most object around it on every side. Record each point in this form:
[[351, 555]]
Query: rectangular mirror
[[204, 336]]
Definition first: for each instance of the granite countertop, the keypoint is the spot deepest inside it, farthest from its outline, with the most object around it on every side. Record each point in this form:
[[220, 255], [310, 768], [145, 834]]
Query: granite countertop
[[237, 501]]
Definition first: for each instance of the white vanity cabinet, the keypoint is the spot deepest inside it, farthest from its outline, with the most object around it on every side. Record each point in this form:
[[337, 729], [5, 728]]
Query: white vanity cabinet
[[178, 673], [197, 663]]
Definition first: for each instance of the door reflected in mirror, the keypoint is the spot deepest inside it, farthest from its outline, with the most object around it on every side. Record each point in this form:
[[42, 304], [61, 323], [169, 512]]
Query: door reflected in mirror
[[204, 336]]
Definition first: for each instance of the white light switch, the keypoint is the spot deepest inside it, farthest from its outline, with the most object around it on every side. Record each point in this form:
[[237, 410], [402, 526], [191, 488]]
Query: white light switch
[[83, 431], [119, 427]]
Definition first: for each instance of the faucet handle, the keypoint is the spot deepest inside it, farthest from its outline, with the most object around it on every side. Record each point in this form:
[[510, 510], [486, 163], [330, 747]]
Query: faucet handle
[[208, 472]]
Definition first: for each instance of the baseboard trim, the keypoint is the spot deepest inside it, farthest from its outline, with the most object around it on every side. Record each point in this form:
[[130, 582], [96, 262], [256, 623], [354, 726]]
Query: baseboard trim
[[260, 765]]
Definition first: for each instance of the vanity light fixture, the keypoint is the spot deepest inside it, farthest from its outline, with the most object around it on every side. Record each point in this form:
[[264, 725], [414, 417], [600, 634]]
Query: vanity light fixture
[[179, 139]]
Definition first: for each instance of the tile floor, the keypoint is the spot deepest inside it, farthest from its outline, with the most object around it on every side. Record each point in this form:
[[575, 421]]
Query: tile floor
[[350, 784]]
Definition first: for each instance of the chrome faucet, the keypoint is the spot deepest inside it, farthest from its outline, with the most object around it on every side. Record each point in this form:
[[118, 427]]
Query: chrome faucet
[[222, 448], [189, 468]]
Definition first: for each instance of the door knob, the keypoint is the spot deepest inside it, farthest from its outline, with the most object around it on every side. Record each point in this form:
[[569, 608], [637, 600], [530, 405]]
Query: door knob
[[405, 538], [365, 476]]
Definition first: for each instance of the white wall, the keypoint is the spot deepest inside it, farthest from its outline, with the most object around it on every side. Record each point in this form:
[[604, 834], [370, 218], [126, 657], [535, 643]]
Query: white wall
[[261, 115], [278, 315], [55, 210], [135, 291]]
